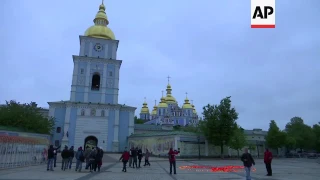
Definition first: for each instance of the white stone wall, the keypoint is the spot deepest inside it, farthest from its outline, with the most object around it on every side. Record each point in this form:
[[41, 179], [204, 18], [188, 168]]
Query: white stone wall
[[91, 126]]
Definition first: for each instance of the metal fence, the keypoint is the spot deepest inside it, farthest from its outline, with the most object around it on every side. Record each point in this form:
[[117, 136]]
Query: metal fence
[[20, 151]]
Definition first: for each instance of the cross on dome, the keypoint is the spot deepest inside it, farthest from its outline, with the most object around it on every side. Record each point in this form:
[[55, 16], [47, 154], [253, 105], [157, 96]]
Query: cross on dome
[[168, 79]]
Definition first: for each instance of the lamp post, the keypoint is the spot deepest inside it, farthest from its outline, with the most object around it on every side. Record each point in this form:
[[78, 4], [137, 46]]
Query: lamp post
[[257, 145], [199, 147]]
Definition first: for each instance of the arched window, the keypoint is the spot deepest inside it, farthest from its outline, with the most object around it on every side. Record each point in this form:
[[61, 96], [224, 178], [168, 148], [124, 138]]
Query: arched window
[[102, 113], [82, 112], [58, 130], [95, 84]]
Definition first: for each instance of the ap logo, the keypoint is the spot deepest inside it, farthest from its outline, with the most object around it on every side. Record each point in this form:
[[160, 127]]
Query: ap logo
[[263, 14]]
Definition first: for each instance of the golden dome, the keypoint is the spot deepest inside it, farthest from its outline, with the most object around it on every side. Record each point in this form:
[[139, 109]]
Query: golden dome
[[144, 109], [154, 111], [163, 103], [169, 98], [194, 109], [100, 29], [187, 104]]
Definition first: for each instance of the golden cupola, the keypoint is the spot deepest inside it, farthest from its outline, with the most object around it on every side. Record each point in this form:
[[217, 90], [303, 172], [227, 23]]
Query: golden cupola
[[169, 98], [162, 103], [155, 107], [144, 109], [194, 109], [100, 28], [186, 104]]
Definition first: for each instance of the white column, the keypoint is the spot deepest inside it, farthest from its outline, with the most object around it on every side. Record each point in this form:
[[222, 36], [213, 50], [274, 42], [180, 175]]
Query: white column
[[82, 46], [65, 139], [106, 51], [90, 49], [116, 84], [104, 84], [131, 123], [206, 148], [114, 51], [87, 83], [176, 140], [116, 126], [74, 81], [52, 110]]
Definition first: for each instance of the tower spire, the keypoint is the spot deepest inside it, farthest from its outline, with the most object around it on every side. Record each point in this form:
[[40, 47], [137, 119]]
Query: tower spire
[[186, 95], [162, 93], [155, 102]]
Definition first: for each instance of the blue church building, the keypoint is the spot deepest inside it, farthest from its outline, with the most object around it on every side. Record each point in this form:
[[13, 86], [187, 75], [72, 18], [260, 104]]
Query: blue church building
[[93, 116]]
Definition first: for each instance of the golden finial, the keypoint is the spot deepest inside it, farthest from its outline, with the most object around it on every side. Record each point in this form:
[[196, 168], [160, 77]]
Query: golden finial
[[162, 93], [186, 95], [155, 102], [102, 1], [144, 97], [168, 79]]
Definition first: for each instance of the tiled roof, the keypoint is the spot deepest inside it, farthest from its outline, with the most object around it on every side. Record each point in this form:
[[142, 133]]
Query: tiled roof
[[164, 133], [147, 127]]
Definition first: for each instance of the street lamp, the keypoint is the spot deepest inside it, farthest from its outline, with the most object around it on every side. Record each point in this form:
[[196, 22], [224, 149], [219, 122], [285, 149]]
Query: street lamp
[[199, 147]]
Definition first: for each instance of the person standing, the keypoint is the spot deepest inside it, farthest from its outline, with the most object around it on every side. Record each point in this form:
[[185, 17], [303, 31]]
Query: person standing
[[50, 158], [139, 156], [172, 159], [146, 158], [79, 158], [125, 157], [65, 158], [92, 159], [55, 156], [134, 157], [248, 161], [130, 159], [267, 161], [87, 153], [71, 156], [98, 160]]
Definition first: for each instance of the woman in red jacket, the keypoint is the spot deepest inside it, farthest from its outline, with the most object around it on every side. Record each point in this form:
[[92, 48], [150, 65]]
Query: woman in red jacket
[[125, 157], [172, 159]]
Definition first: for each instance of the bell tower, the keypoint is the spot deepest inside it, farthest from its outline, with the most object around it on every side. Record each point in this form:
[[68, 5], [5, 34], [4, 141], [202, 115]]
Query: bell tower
[[96, 69]]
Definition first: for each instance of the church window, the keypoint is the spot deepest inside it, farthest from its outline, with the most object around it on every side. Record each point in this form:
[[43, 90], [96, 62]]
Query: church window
[[95, 84], [145, 116], [102, 113], [110, 73], [81, 70], [93, 112], [58, 130], [82, 112], [159, 112]]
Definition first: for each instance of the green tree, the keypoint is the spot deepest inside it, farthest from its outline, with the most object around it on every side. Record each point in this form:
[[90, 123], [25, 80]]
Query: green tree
[[27, 117], [301, 133], [138, 121], [219, 123], [290, 143], [316, 131], [275, 138], [238, 141]]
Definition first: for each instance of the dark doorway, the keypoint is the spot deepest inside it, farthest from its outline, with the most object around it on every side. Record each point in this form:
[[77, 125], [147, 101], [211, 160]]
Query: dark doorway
[[95, 84], [90, 141]]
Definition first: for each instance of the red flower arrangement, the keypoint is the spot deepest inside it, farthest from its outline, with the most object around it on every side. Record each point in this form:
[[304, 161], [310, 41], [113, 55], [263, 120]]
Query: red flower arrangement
[[215, 169], [22, 140]]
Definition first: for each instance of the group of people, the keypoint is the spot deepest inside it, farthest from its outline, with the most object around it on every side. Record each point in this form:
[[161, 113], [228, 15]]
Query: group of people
[[248, 161], [91, 156], [135, 155]]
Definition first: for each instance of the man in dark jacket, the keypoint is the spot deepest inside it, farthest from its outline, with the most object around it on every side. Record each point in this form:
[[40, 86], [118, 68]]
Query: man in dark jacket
[[80, 159], [139, 156], [98, 160], [130, 158], [65, 158], [55, 155], [134, 154], [50, 158], [248, 161], [267, 161], [71, 156]]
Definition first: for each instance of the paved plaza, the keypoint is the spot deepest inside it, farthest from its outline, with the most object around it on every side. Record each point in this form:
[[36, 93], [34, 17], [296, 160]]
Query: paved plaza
[[284, 169]]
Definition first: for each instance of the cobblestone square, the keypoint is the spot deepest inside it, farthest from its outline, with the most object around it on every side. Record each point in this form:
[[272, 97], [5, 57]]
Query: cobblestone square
[[283, 169]]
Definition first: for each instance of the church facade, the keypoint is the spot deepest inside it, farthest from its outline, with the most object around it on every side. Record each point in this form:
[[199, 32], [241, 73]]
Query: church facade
[[168, 112], [92, 116]]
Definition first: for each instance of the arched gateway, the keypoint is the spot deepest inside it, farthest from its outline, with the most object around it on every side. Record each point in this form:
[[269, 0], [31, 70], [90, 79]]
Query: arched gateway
[[90, 141]]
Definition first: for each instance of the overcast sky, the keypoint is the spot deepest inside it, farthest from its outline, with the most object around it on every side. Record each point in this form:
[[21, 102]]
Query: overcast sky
[[206, 46]]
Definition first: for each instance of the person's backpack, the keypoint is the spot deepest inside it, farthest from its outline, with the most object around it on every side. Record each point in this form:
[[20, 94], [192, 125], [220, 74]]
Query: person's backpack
[[81, 157]]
